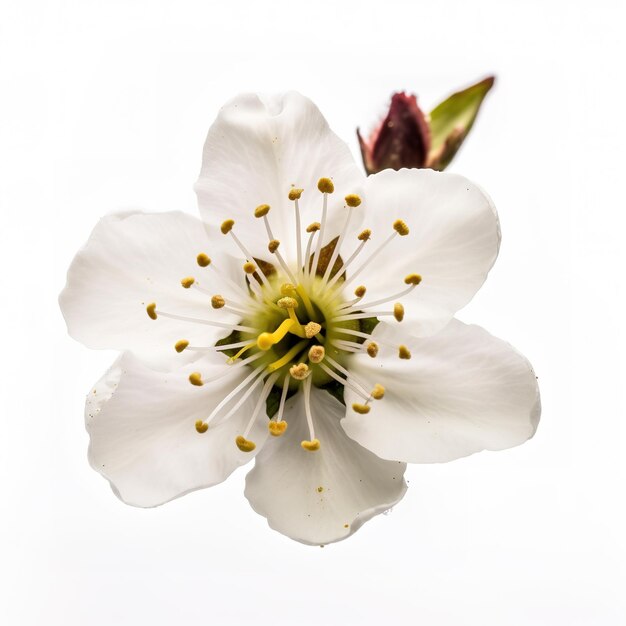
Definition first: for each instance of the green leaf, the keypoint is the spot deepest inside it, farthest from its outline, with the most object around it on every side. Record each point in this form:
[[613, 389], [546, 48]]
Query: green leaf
[[451, 121]]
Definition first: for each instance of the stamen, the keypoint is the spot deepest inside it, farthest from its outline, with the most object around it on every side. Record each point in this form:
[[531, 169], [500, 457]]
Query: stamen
[[227, 226], [203, 260], [322, 185], [287, 302], [312, 444], [180, 345], [249, 267], [187, 282], [262, 210], [344, 381], [245, 348], [217, 301], [378, 392], [295, 193], [201, 427], [372, 349], [359, 292], [401, 228], [277, 428], [398, 311], [195, 378], [360, 316], [311, 329], [299, 371], [363, 409], [345, 372], [244, 444], [272, 246], [404, 352], [283, 399], [316, 354], [325, 185], [151, 310], [311, 228], [266, 340], [413, 280], [353, 200]]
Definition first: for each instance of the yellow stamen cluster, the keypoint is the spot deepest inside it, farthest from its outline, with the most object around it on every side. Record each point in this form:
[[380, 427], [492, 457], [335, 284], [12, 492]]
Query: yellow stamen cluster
[[401, 228], [261, 210], [203, 260], [325, 185], [398, 311], [404, 352], [187, 281], [217, 301]]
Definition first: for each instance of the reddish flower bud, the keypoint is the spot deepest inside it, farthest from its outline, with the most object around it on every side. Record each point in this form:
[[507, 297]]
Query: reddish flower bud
[[401, 140]]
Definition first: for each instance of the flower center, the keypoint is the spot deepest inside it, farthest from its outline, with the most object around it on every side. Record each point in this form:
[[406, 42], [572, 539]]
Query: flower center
[[299, 323]]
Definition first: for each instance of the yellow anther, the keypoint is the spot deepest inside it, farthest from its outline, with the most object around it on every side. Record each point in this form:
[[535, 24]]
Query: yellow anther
[[201, 427], [404, 352], [398, 311], [287, 289], [361, 408], [378, 392], [286, 358], [401, 228], [325, 185], [272, 246], [195, 378], [364, 235], [227, 226], [266, 340], [187, 281], [311, 228], [245, 445], [151, 310], [262, 210], [299, 371], [287, 302], [320, 489], [217, 301], [249, 267], [203, 259], [311, 446], [346, 525], [413, 279], [317, 354], [179, 346], [359, 292], [295, 193], [311, 329], [372, 349], [277, 428], [352, 200]]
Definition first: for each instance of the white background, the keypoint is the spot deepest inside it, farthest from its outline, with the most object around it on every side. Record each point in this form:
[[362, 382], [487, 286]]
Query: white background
[[105, 105]]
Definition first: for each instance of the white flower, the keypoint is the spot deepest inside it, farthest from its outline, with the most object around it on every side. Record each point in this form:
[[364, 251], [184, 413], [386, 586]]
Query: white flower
[[296, 259]]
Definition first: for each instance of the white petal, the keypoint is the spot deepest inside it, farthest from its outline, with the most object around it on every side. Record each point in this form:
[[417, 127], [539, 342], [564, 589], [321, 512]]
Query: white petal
[[256, 150], [142, 428], [453, 242], [133, 259], [323, 496], [462, 391]]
